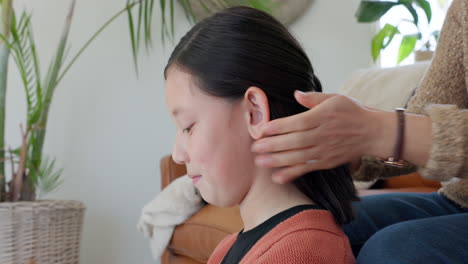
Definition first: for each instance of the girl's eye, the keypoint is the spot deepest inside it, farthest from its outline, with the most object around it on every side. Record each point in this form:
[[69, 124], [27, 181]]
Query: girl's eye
[[188, 129]]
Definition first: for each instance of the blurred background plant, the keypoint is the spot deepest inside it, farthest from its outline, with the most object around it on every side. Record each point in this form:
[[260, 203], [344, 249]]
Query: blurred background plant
[[420, 39], [32, 173]]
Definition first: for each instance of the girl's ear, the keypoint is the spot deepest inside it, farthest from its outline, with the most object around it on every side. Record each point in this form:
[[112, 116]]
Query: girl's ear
[[257, 111]]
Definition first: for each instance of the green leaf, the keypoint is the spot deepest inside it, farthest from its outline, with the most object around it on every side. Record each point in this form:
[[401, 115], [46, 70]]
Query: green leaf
[[212, 6], [436, 35], [139, 23], [151, 9], [24, 54], [204, 5], [164, 25], [442, 3], [426, 6], [55, 65], [16, 151], [382, 39], [172, 20], [187, 6], [162, 6], [52, 78], [413, 13], [126, 9], [133, 37], [36, 65], [371, 11], [48, 177], [407, 47], [148, 11], [261, 5]]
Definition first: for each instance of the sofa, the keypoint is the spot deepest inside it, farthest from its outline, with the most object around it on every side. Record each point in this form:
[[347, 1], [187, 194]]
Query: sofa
[[194, 240]]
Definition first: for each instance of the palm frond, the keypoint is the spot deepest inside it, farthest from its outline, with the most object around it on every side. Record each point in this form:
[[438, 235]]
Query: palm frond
[[140, 23], [52, 76], [140, 18], [34, 115], [187, 7], [48, 177], [48, 88], [148, 40], [127, 10], [162, 6], [23, 50], [132, 34]]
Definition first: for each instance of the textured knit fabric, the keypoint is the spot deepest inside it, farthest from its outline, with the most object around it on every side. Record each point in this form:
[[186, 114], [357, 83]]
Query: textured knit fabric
[[246, 240], [442, 95], [311, 236]]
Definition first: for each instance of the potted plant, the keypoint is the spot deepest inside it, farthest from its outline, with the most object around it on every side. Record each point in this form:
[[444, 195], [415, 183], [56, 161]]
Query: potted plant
[[32, 230], [371, 11]]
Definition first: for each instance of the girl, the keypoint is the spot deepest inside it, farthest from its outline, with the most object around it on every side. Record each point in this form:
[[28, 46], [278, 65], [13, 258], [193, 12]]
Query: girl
[[228, 76], [399, 227]]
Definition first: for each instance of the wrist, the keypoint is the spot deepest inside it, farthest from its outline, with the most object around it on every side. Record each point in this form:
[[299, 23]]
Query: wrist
[[382, 134]]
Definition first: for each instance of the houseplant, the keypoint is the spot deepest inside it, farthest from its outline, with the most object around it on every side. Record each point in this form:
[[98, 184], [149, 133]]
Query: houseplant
[[32, 231], [371, 11]]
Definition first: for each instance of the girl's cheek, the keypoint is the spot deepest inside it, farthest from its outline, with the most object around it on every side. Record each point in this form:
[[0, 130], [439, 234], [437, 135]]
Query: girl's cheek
[[203, 150]]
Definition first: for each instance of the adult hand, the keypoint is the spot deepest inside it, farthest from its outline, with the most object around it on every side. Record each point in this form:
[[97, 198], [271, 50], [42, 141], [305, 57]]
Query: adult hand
[[336, 130]]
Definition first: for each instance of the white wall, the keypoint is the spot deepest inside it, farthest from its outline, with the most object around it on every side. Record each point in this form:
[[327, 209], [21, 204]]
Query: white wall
[[109, 129]]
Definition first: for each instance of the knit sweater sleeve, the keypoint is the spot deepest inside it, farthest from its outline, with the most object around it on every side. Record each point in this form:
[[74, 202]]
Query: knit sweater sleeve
[[309, 246], [443, 96]]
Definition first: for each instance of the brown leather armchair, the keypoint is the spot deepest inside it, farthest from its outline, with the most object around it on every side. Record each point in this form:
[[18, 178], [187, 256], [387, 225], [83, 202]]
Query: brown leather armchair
[[193, 241]]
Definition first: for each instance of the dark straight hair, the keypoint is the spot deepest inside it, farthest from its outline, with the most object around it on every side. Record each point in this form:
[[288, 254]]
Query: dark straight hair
[[241, 47]]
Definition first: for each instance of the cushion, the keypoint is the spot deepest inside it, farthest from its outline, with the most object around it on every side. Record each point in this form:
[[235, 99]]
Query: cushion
[[409, 181], [384, 88], [199, 235]]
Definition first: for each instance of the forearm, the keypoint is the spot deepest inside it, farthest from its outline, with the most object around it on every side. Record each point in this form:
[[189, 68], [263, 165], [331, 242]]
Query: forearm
[[417, 136], [436, 141]]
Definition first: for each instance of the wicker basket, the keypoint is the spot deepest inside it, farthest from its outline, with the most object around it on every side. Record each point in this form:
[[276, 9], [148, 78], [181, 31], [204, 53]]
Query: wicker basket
[[41, 232]]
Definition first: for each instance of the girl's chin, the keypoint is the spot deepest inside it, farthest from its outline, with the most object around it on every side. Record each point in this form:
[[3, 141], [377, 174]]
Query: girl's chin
[[218, 203]]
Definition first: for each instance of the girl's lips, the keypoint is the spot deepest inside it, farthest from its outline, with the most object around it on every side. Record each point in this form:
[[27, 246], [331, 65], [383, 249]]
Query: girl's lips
[[195, 178]]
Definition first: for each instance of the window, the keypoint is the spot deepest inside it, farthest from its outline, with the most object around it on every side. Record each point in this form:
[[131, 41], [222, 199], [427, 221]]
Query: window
[[388, 57]]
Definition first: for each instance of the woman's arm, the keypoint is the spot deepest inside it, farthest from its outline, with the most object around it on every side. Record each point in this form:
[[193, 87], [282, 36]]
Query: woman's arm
[[443, 96], [417, 137], [338, 130]]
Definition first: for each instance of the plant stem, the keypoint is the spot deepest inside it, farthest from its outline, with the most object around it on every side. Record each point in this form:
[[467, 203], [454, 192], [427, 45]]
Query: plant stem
[[94, 36], [7, 8], [18, 178]]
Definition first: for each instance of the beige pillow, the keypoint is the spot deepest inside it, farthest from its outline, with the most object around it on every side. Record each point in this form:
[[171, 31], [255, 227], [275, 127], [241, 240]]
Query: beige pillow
[[384, 88]]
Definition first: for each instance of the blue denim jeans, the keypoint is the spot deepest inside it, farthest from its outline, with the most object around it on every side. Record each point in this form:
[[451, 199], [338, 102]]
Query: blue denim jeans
[[409, 228]]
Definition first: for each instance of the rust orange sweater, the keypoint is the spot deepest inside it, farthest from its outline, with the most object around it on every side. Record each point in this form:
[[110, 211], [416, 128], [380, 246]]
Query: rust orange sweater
[[311, 236]]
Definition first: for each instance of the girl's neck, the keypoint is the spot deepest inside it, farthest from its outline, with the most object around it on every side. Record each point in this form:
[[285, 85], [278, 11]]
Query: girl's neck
[[266, 199]]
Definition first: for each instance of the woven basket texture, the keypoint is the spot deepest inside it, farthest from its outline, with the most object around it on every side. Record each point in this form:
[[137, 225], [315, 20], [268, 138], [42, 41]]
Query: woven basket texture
[[41, 232]]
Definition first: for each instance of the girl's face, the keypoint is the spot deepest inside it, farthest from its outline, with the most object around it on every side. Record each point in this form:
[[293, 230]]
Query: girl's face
[[212, 140]]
